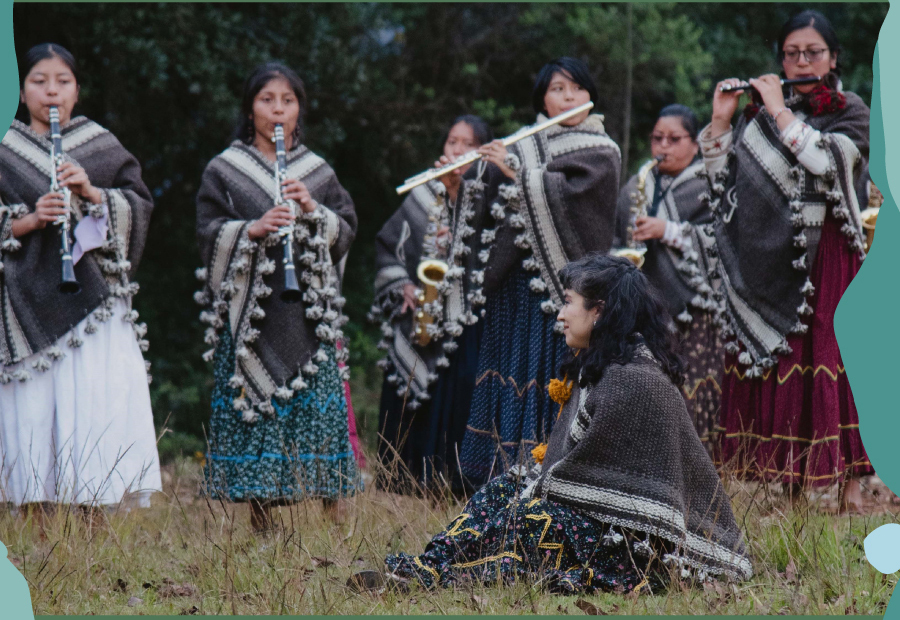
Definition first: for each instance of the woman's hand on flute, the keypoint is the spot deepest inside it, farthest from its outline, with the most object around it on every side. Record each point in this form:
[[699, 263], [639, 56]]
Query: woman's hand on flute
[[46, 211], [293, 189], [724, 106], [770, 91], [496, 153], [275, 218], [646, 228]]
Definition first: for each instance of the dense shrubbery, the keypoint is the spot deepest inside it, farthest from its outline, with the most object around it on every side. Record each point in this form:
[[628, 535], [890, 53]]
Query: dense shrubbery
[[383, 80]]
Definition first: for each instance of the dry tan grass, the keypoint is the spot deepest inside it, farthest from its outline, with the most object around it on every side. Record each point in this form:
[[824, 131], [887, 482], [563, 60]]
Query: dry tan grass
[[188, 555]]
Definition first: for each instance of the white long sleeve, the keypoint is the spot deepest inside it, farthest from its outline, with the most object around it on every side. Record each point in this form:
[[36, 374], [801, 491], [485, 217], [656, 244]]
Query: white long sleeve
[[803, 142], [715, 149]]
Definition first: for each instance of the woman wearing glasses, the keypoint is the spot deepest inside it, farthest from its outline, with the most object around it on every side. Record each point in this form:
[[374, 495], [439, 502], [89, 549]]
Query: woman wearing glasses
[[785, 187], [673, 233]]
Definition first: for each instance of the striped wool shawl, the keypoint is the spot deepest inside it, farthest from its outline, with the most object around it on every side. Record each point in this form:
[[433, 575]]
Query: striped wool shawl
[[680, 275], [768, 215], [560, 206], [276, 344], [624, 451], [399, 247], [33, 314]]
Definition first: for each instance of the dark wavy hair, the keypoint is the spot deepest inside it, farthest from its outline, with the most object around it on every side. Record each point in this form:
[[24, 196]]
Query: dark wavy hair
[[632, 314], [574, 68], [262, 75], [481, 130], [821, 24]]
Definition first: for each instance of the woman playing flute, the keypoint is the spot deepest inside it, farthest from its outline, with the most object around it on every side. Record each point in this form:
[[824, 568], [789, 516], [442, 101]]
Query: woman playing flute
[[785, 192], [279, 425], [76, 425], [547, 200]]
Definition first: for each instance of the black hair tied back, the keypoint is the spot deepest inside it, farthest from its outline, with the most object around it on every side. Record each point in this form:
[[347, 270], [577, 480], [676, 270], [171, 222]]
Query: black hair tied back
[[632, 314]]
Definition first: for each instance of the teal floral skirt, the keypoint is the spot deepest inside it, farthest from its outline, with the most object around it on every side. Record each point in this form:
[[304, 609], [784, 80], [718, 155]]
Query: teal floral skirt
[[302, 451]]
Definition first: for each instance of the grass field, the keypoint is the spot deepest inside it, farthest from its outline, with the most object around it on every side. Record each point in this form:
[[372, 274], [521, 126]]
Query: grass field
[[185, 555]]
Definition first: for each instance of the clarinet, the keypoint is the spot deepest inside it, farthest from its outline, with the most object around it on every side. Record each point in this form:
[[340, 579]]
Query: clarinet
[[291, 293], [68, 285]]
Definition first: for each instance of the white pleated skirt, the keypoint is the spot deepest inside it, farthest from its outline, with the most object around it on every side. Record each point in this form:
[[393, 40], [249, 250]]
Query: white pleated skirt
[[81, 432]]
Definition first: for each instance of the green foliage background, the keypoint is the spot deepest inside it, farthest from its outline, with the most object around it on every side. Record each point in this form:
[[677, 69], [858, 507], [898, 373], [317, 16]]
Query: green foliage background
[[383, 81]]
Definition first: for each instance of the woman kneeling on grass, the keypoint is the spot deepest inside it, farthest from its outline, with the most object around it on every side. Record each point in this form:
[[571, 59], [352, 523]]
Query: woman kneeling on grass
[[625, 491]]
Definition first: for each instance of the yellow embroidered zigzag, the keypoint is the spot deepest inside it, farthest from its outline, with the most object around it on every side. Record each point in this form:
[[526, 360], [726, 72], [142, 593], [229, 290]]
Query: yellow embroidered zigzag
[[494, 373], [796, 367]]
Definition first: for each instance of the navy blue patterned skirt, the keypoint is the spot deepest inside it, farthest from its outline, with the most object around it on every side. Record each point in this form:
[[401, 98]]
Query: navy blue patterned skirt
[[427, 441], [520, 353], [501, 538]]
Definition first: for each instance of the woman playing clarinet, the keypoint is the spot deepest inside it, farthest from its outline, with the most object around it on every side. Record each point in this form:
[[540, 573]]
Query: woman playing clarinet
[[279, 426], [547, 200], [673, 232], [75, 420], [785, 186], [424, 408]]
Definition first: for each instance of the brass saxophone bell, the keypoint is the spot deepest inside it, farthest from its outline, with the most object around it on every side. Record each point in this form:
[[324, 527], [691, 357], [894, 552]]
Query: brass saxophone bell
[[634, 255], [430, 273]]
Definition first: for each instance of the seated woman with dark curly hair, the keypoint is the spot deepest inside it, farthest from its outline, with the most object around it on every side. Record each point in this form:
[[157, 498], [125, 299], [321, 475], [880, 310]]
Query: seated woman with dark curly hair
[[625, 496]]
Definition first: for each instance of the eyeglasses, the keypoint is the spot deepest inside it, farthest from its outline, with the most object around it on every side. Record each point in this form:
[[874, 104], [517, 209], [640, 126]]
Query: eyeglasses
[[793, 56], [658, 138]]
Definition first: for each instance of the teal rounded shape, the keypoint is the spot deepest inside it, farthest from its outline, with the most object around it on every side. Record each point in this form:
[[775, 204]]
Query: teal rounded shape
[[883, 548], [866, 322], [15, 598]]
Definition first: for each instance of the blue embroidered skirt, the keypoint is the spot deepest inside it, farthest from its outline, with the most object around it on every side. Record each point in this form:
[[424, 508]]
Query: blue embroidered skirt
[[303, 451], [520, 353]]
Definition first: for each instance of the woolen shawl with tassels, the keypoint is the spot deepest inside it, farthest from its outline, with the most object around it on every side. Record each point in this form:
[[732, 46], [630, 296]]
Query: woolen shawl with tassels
[[276, 343], [769, 212], [624, 451], [560, 206], [681, 276], [33, 313], [399, 247]]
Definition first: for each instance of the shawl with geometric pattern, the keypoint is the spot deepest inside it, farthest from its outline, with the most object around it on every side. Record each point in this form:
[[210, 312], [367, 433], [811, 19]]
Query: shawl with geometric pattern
[[33, 314], [625, 452], [768, 211], [276, 344]]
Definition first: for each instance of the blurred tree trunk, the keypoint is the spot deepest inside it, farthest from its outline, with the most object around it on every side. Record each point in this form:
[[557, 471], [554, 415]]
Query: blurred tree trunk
[[629, 77]]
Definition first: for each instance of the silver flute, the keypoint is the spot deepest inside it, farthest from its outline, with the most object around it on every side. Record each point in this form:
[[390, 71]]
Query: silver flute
[[473, 156]]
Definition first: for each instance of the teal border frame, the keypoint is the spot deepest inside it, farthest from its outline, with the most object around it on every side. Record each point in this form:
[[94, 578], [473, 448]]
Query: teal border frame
[[866, 322]]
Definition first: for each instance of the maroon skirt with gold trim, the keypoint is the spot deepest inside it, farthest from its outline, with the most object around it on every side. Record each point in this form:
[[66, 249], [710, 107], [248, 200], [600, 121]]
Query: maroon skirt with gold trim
[[798, 422]]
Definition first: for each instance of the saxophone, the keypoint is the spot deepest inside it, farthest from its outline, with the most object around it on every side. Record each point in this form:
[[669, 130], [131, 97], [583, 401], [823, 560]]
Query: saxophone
[[870, 215], [635, 250], [430, 272]]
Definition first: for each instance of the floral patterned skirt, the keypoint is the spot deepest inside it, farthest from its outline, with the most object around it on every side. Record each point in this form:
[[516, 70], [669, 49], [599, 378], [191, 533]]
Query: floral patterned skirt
[[303, 451], [501, 538]]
